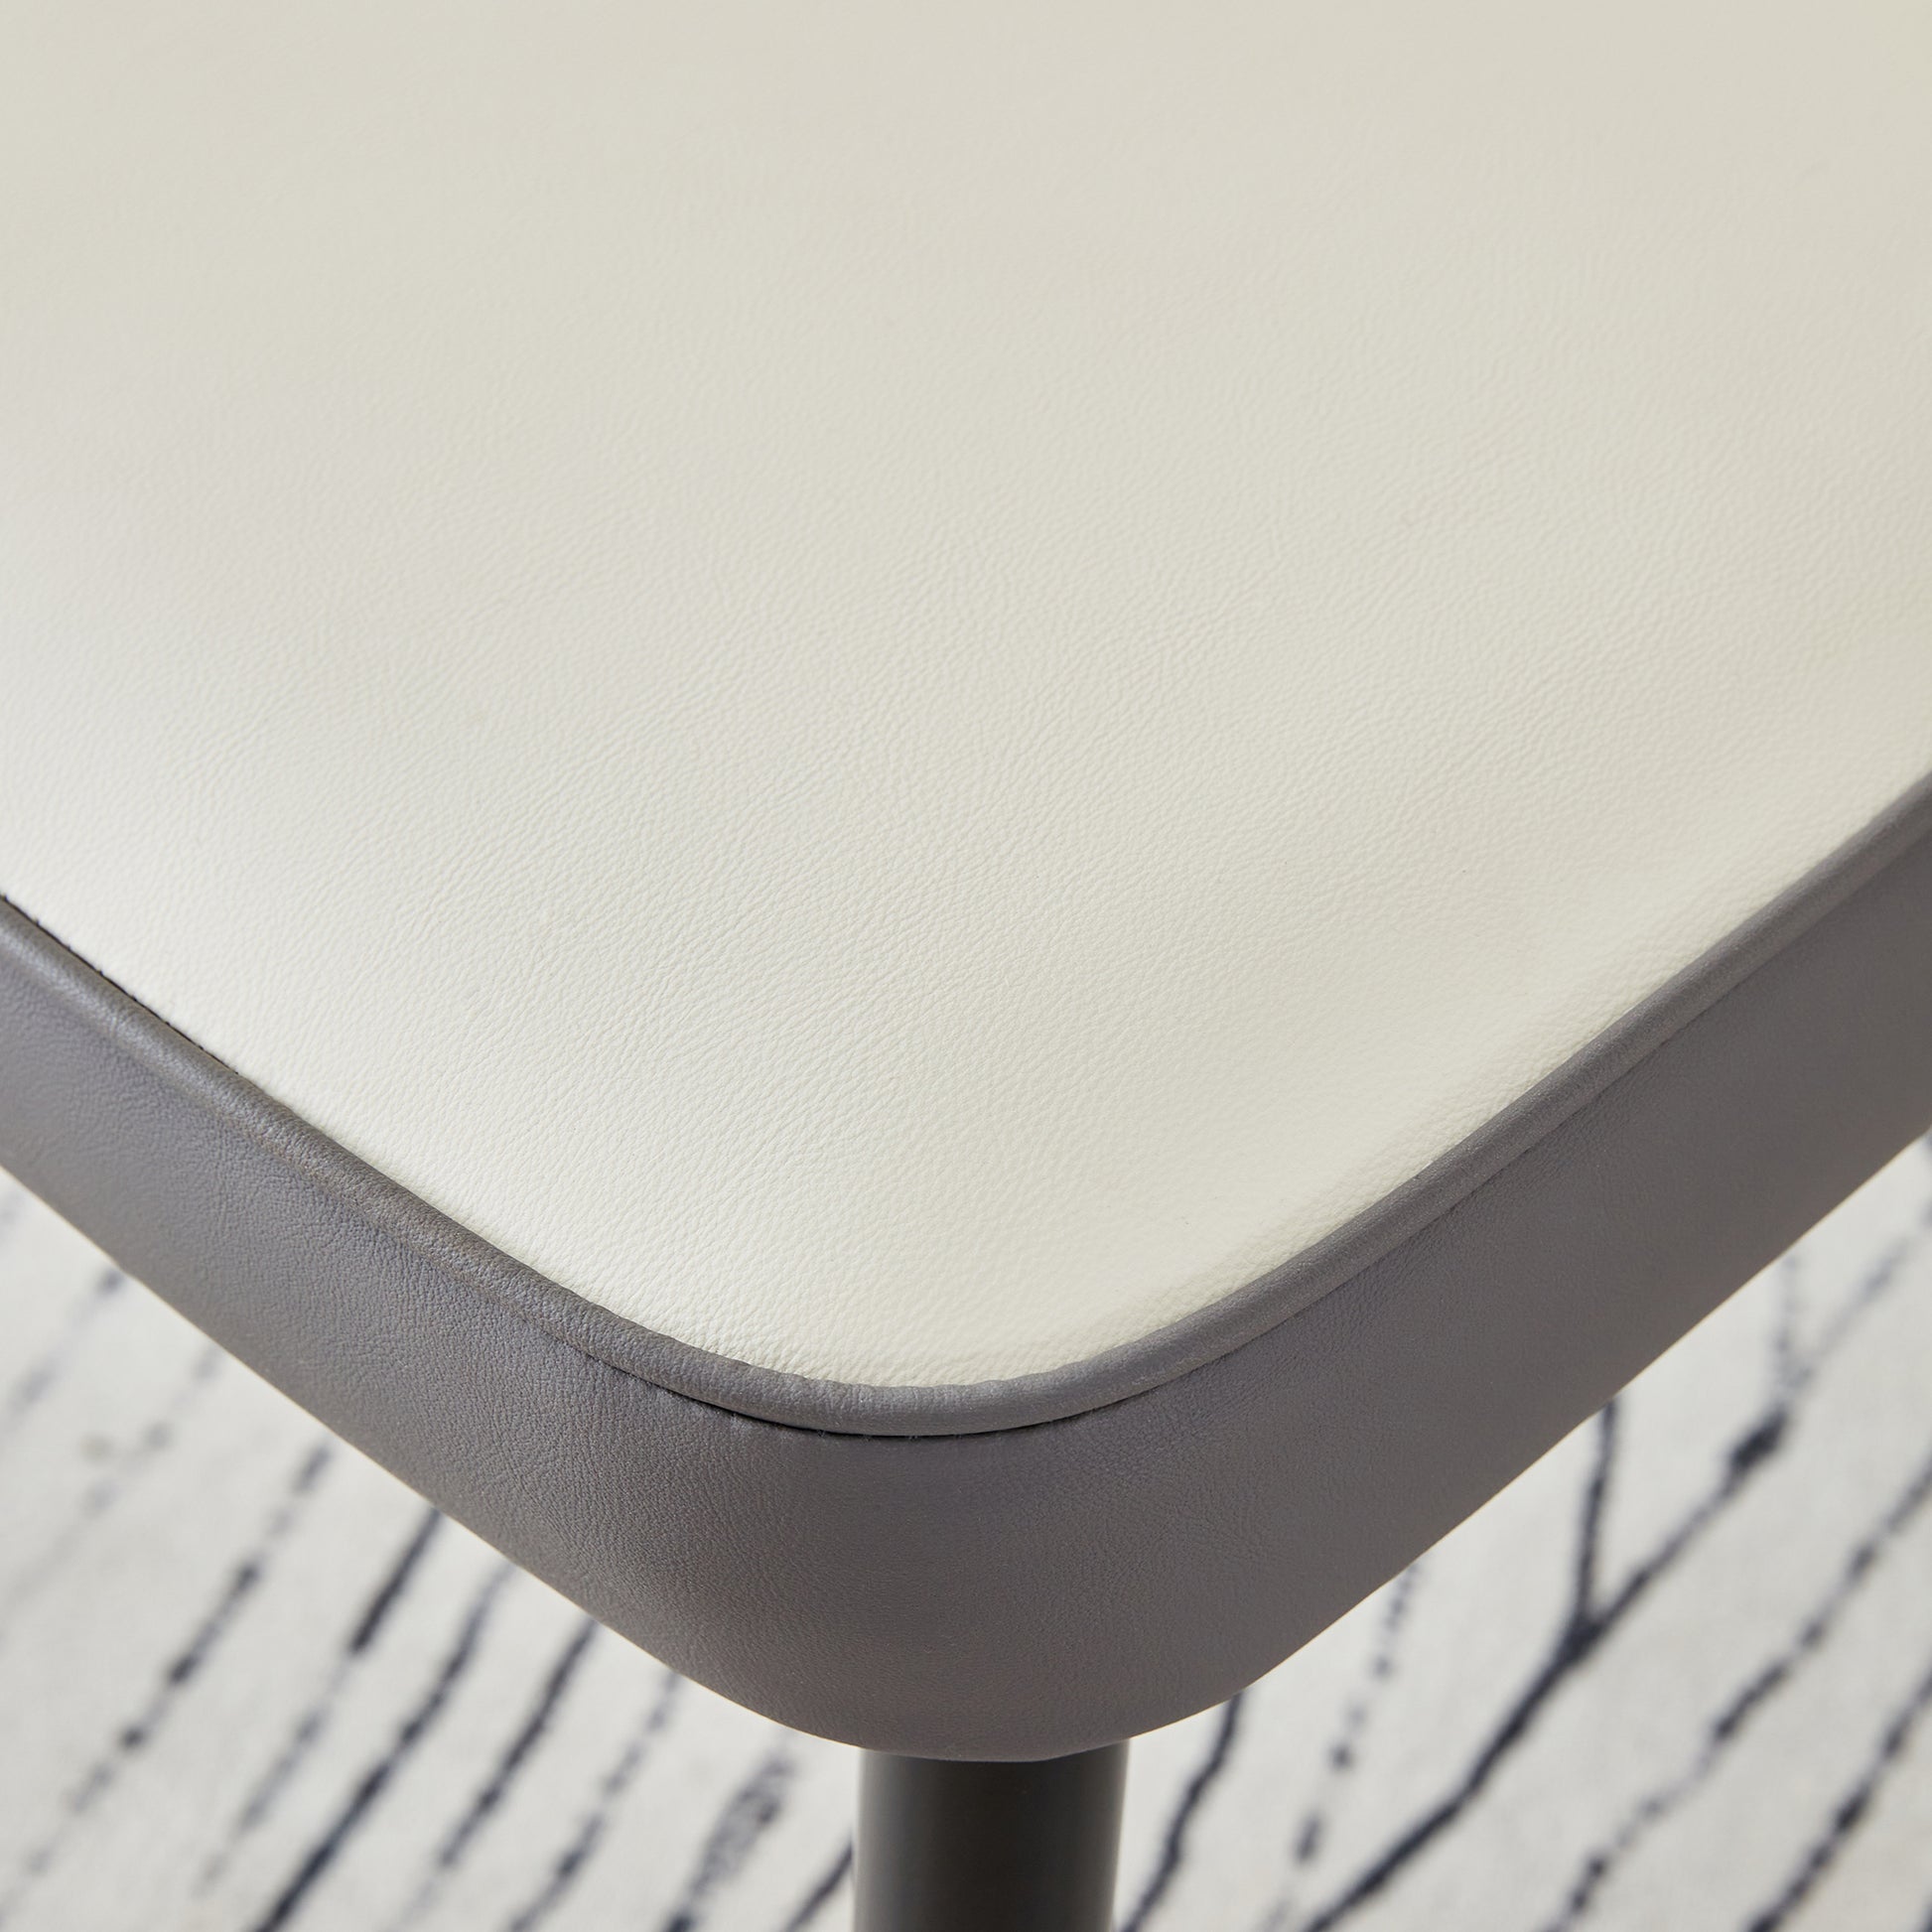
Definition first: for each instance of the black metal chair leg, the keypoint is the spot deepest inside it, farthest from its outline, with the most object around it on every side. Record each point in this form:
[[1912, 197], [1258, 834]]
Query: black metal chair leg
[[947, 1847]]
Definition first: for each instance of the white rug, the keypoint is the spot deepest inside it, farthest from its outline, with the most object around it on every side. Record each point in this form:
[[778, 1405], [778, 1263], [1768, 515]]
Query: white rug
[[1679, 1675]]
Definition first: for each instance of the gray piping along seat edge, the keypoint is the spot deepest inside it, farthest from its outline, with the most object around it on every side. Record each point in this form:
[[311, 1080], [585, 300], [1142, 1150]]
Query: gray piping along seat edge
[[1020, 1568]]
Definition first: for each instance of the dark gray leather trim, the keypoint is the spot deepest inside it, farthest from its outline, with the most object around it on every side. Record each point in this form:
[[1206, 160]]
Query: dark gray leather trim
[[861, 1408], [1030, 1591]]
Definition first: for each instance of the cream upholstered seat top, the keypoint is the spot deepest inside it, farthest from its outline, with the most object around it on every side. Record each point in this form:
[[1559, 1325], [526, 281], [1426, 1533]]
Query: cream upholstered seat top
[[905, 690]]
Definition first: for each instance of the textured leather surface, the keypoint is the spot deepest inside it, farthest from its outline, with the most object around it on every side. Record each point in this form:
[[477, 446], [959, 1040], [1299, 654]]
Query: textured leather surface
[[905, 692], [1028, 1591]]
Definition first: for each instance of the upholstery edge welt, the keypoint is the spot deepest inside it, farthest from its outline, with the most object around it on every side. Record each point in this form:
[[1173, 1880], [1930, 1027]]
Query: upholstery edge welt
[[201, 1080], [1031, 1589]]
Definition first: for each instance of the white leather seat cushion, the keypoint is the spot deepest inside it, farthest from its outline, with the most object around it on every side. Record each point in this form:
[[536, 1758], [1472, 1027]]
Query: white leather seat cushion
[[904, 690]]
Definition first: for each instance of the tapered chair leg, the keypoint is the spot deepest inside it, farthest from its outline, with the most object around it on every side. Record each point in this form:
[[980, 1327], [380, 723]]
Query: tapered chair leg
[[947, 1847]]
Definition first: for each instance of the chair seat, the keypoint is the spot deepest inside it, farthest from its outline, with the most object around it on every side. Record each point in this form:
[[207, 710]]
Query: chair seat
[[907, 726]]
